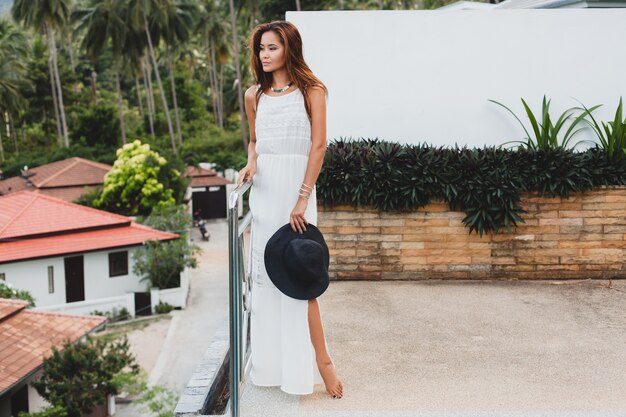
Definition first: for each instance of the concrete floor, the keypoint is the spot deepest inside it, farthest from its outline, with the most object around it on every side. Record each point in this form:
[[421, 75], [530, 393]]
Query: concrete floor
[[428, 348], [467, 348]]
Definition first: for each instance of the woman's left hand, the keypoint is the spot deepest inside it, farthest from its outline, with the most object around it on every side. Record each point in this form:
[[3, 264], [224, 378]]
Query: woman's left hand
[[296, 219]]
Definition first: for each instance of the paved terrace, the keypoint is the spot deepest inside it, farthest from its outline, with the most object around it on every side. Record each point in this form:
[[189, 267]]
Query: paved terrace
[[462, 348]]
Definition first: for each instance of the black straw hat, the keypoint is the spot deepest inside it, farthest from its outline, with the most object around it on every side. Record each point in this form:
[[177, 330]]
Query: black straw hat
[[297, 263]]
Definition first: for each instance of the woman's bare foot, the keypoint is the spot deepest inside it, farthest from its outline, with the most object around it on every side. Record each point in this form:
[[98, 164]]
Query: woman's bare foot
[[332, 382]]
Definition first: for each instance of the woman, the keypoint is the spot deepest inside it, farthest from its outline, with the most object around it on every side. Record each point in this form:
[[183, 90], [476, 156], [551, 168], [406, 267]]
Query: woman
[[286, 113]]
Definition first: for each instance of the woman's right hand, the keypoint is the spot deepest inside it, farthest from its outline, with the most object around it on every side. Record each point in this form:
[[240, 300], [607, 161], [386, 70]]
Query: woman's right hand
[[246, 174]]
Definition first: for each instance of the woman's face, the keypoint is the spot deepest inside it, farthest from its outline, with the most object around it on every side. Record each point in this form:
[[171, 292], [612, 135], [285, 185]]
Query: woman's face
[[272, 53]]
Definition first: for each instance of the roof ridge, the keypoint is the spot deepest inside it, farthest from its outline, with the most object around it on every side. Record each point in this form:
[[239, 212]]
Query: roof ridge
[[56, 174], [94, 163], [84, 208], [36, 195], [22, 303], [27, 205], [60, 314]]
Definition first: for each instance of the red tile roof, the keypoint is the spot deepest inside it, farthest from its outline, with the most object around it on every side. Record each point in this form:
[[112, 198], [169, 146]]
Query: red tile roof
[[27, 337], [199, 172], [208, 181], [201, 177], [73, 173], [65, 244], [14, 184], [30, 214], [69, 194], [33, 225]]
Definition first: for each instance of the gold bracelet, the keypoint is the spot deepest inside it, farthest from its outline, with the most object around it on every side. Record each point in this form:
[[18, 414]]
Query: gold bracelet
[[310, 188], [305, 190], [304, 195]]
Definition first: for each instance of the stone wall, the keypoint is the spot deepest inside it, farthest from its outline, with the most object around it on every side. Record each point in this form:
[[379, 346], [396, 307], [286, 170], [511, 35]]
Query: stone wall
[[571, 238]]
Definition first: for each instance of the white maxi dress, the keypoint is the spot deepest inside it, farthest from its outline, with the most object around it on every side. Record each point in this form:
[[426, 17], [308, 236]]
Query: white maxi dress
[[282, 353]]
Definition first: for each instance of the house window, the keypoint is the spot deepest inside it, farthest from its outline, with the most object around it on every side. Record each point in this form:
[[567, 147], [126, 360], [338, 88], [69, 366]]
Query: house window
[[2, 276], [118, 263], [50, 279]]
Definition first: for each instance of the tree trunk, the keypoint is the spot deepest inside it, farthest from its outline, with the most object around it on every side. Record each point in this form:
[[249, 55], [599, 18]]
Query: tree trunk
[[70, 51], [242, 116], [13, 133], [217, 90], [120, 104], [139, 100], [174, 100], [53, 88], [149, 96], [94, 91], [220, 94], [66, 140], [1, 149], [160, 84], [212, 83]]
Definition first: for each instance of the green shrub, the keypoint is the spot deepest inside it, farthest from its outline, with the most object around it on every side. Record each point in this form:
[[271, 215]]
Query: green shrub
[[113, 315], [7, 291], [80, 376], [51, 411], [140, 180], [484, 183], [163, 308]]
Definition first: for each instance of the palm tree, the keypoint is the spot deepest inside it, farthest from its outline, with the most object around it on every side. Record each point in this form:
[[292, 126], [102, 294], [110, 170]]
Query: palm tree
[[242, 116], [47, 16], [176, 31], [155, 10], [103, 21], [13, 49], [214, 32]]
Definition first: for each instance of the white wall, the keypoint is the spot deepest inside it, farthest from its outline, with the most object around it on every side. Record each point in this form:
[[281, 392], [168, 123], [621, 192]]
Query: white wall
[[36, 402], [33, 276], [415, 76]]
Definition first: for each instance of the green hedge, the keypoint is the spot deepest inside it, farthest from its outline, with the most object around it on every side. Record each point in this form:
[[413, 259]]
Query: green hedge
[[484, 183]]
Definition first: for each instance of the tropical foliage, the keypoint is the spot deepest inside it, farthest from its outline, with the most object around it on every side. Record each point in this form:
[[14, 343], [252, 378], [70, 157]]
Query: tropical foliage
[[7, 291], [612, 135], [484, 183], [140, 181], [546, 134], [160, 263], [79, 376], [83, 77]]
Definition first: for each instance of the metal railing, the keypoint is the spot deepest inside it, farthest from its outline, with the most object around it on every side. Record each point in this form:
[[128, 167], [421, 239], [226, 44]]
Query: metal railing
[[239, 290]]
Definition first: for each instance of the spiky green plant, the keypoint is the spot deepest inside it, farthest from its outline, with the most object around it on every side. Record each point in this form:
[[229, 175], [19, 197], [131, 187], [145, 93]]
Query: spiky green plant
[[546, 133], [612, 135]]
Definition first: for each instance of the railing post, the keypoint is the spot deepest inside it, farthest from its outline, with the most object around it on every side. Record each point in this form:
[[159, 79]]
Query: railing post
[[236, 270]]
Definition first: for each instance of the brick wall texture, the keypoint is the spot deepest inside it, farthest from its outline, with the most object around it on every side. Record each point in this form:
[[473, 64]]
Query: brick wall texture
[[580, 237]]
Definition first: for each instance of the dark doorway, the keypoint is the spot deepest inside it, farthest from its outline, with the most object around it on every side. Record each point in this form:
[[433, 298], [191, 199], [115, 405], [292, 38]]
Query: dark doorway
[[19, 401], [210, 203], [74, 279], [143, 304]]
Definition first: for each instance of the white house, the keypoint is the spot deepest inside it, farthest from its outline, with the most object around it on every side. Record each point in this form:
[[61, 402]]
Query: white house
[[71, 257]]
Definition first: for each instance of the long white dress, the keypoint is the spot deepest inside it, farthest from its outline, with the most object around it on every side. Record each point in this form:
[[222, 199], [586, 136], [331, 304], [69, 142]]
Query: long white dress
[[282, 353]]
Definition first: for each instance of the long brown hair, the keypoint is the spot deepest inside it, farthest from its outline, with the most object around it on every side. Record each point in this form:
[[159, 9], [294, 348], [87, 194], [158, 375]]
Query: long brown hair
[[299, 72]]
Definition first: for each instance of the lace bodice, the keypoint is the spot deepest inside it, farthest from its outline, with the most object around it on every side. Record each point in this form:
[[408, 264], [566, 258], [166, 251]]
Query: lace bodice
[[282, 126]]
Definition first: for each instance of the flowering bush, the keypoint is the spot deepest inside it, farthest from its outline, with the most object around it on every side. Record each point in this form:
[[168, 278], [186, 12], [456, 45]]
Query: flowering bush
[[139, 181]]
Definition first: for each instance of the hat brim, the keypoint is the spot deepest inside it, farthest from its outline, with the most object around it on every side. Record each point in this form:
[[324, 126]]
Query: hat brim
[[277, 272]]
